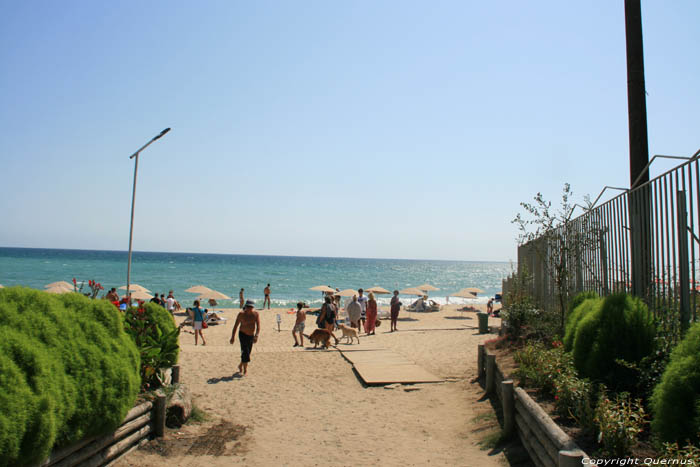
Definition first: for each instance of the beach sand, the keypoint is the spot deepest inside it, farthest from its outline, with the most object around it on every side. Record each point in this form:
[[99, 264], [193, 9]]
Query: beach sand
[[308, 407]]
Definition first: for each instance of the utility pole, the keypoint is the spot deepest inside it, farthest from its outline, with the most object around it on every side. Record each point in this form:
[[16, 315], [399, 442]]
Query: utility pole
[[639, 200]]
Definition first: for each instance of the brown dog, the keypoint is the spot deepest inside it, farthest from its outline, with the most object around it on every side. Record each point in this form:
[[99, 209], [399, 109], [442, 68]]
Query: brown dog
[[320, 336]]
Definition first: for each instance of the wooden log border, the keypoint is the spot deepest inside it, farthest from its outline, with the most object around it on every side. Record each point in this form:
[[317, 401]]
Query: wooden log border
[[544, 440], [141, 422]]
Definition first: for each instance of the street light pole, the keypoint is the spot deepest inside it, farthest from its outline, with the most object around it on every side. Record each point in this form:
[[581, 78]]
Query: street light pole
[[133, 201]]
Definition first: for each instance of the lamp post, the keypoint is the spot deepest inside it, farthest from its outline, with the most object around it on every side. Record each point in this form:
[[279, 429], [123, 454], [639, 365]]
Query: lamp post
[[133, 201]]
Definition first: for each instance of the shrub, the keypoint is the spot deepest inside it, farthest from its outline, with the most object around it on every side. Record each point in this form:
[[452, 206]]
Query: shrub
[[67, 370], [539, 366], [675, 402], [620, 421], [621, 329], [154, 332], [573, 398], [581, 306]]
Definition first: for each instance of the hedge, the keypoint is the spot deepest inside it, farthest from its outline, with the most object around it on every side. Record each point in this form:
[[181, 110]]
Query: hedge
[[581, 306], [675, 402], [621, 328], [67, 370]]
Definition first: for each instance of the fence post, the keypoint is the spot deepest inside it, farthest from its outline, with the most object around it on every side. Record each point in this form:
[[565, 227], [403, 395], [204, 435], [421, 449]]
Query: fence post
[[571, 458], [490, 372], [683, 261], [508, 408], [604, 262], [175, 374], [481, 353], [159, 421]]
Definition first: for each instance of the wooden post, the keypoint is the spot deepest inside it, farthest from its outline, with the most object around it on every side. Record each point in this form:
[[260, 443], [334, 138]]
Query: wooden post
[[175, 374], [159, 421], [483, 323], [571, 458], [508, 408], [490, 373], [481, 353]]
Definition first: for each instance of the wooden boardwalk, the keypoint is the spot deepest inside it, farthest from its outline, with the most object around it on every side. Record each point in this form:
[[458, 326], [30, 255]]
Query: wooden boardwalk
[[377, 365]]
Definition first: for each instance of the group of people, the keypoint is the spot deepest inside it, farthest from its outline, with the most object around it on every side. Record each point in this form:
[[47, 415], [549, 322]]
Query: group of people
[[266, 300], [362, 313], [168, 303]]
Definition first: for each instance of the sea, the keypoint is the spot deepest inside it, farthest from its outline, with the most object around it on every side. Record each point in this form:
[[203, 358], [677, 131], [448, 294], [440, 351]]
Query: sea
[[290, 277]]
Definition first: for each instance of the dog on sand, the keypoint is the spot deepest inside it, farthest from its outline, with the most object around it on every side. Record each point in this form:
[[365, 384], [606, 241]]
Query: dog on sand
[[320, 336], [349, 333]]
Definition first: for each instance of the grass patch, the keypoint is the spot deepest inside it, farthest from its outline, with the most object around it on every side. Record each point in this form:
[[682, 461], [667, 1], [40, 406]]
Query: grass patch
[[197, 415], [491, 439], [485, 416]]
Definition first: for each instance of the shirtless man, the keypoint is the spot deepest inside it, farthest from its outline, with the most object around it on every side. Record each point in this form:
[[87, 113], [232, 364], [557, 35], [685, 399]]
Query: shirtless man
[[267, 297], [249, 321], [241, 300], [299, 325], [112, 295]]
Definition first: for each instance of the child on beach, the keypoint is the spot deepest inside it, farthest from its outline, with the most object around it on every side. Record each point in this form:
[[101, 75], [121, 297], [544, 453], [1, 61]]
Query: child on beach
[[299, 325]]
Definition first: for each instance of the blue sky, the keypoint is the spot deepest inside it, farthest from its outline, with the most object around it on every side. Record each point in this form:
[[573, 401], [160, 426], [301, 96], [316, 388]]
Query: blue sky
[[394, 129]]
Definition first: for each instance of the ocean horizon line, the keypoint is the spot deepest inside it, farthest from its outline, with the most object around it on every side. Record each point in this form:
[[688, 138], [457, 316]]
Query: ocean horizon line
[[253, 255]]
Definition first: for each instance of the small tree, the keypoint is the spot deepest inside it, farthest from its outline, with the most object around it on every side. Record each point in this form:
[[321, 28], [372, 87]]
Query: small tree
[[557, 240]]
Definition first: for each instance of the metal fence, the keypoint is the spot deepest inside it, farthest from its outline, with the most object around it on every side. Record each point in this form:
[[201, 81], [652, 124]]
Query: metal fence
[[644, 241]]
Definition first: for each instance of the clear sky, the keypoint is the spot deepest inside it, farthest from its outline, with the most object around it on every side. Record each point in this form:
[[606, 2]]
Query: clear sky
[[393, 129]]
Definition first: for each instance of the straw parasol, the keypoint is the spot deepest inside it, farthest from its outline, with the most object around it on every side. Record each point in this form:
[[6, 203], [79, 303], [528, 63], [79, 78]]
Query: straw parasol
[[60, 288], [140, 295], [213, 295], [427, 288], [198, 289], [473, 290], [378, 290], [464, 293], [322, 288], [412, 291], [346, 293], [133, 287], [59, 284]]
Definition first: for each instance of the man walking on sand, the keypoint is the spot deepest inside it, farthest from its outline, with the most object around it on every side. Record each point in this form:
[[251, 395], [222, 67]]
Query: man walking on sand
[[362, 300], [267, 297], [249, 321]]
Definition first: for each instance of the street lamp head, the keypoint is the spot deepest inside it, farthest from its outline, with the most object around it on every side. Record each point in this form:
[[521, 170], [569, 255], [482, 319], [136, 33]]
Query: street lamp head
[[162, 133]]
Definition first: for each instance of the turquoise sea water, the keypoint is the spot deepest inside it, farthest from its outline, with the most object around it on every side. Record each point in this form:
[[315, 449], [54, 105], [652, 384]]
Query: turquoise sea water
[[289, 277]]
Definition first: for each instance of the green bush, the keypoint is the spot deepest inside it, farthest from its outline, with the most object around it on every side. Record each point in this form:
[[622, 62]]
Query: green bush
[[581, 305], [154, 332], [675, 402], [67, 370], [620, 330], [620, 421]]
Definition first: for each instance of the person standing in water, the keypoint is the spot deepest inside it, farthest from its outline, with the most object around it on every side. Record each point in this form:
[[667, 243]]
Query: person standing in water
[[249, 322], [267, 297]]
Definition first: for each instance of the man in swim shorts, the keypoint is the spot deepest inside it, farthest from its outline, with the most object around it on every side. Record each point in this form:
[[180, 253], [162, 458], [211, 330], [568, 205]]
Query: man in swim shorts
[[267, 297], [249, 321]]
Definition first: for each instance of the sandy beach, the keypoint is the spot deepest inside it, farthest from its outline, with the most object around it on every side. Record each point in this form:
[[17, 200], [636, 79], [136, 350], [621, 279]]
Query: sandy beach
[[299, 406]]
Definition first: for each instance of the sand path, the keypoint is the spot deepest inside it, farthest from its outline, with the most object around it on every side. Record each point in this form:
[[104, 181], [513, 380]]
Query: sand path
[[308, 407]]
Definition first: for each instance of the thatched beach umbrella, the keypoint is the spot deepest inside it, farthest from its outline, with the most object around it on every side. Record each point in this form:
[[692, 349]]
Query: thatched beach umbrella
[[473, 290], [412, 291], [378, 290], [58, 289], [427, 288], [323, 288], [59, 284], [133, 287], [464, 293], [140, 295], [213, 295], [198, 289], [346, 293]]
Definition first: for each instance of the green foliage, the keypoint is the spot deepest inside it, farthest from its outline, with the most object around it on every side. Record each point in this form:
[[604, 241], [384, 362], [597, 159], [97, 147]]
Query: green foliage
[[676, 400], [552, 371], [620, 330], [519, 310], [689, 453], [154, 332], [619, 423], [67, 370], [581, 306]]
